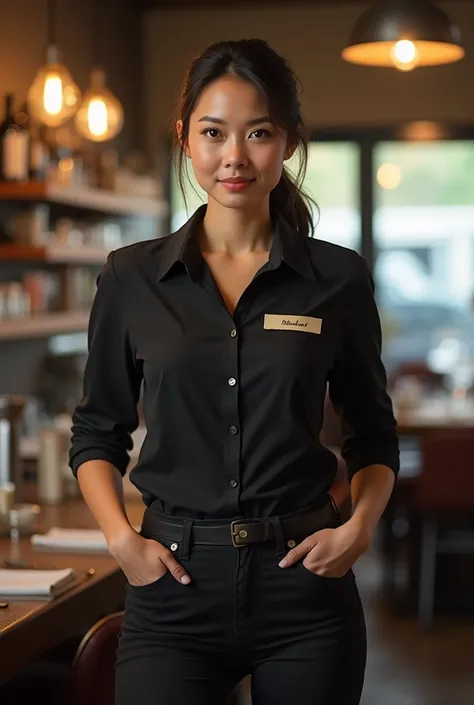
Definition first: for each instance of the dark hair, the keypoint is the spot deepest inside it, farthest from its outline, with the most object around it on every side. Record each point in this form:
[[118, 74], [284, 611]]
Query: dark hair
[[255, 61]]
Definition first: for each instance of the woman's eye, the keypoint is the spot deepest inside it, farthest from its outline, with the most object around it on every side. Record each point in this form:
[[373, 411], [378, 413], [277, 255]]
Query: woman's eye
[[260, 134], [211, 131]]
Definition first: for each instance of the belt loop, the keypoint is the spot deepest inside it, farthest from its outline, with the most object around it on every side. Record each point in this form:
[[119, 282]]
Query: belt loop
[[279, 538], [184, 549]]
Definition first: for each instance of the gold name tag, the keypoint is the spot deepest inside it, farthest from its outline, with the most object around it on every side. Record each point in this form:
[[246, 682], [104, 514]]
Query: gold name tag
[[307, 324]]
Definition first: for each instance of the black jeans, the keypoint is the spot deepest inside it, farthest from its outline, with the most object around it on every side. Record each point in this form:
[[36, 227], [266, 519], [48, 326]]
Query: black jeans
[[301, 636]]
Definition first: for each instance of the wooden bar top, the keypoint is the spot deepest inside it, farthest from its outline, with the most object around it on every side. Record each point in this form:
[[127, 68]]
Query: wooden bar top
[[28, 628]]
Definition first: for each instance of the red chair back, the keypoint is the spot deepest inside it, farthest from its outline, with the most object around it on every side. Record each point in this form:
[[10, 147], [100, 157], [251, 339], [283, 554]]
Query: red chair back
[[446, 481], [93, 672]]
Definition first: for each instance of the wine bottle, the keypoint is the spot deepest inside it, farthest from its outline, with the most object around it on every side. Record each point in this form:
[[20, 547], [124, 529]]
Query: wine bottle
[[39, 154], [37, 149], [13, 146]]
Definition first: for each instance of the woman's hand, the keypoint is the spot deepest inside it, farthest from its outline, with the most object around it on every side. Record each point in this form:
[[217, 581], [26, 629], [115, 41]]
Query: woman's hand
[[145, 561], [331, 552]]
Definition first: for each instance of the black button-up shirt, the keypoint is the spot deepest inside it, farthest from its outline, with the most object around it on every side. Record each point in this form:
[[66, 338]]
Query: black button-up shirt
[[233, 405]]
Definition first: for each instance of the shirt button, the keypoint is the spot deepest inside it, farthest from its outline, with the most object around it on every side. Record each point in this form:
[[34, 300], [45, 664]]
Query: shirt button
[[233, 483], [232, 381], [233, 333], [233, 430]]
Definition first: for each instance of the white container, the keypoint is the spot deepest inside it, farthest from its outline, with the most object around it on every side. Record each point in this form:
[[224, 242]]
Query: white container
[[50, 476], [5, 470]]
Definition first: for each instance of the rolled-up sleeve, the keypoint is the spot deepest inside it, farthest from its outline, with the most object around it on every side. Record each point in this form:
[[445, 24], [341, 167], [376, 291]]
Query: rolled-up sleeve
[[358, 383], [106, 416]]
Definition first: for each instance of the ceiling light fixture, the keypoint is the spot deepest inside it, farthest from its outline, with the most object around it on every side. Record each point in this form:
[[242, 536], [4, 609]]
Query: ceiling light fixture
[[404, 34]]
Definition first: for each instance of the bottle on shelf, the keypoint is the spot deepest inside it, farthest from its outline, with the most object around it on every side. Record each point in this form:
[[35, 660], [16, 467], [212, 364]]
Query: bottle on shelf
[[38, 156], [14, 141]]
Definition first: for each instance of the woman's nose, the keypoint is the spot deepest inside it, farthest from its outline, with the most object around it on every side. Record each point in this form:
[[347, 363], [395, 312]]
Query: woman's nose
[[235, 155]]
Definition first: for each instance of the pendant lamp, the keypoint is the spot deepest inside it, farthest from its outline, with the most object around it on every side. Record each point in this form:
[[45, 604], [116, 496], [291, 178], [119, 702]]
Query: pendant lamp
[[53, 97], [404, 34], [100, 116]]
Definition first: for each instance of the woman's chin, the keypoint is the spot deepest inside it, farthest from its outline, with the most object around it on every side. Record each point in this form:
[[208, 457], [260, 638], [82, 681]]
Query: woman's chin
[[239, 200]]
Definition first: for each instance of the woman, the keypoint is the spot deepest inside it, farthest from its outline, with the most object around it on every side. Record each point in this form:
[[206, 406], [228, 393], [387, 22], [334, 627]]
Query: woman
[[236, 325]]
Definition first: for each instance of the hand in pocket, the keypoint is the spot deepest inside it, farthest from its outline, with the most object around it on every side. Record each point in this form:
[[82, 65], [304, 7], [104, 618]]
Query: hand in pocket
[[144, 561]]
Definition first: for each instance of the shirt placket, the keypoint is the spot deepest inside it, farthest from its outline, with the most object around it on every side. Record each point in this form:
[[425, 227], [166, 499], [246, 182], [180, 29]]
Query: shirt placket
[[232, 470]]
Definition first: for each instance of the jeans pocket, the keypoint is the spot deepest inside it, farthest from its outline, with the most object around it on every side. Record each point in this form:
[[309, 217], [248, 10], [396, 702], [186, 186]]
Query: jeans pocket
[[325, 578], [316, 576], [155, 583]]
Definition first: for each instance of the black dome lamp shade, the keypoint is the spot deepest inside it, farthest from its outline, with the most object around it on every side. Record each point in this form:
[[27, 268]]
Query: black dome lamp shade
[[404, 34]]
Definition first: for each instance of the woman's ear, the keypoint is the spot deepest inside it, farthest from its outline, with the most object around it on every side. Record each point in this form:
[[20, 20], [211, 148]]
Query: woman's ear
[[179, 132], [289, 151]]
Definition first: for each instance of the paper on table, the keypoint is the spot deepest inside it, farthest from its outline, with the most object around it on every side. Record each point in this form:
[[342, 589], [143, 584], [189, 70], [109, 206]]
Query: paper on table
[[71, 539], [35, 583]]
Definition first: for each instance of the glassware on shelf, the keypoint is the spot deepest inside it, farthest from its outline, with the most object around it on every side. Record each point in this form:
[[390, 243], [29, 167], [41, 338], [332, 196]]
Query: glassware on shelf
[[15, 301]]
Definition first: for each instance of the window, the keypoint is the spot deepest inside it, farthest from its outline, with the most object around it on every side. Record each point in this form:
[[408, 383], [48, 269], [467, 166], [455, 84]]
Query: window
[[424, 244]]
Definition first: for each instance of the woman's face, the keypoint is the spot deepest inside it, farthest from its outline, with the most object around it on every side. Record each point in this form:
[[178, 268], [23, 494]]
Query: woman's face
[[236, 151]]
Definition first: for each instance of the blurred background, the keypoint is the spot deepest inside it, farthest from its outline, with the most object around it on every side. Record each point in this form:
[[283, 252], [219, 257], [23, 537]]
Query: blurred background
[[87, 91]]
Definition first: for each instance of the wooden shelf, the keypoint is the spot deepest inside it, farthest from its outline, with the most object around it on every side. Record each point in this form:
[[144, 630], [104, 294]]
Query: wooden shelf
[[44, 325], [91, 199], [54, 254]]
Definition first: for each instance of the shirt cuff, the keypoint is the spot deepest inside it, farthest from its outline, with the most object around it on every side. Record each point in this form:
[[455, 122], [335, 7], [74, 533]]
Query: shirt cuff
[[384, 457], [83, 456]]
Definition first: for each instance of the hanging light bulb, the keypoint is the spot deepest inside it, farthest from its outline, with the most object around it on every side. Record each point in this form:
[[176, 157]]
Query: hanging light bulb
[[404, 34], [53, 96], [100, 116], [405, 55]]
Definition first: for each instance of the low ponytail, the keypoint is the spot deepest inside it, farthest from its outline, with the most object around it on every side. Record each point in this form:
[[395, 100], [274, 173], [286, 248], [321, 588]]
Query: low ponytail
[[288, 201]]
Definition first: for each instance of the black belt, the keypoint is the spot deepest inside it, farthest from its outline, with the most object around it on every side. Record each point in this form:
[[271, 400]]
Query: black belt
[[241, 532]]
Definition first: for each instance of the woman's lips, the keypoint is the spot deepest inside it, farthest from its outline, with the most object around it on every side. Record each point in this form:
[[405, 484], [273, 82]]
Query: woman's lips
[[236, 185]]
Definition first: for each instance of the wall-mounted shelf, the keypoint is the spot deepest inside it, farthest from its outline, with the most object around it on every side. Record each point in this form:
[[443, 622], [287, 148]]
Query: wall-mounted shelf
[[54, 254], [44, 325], [91, 199]]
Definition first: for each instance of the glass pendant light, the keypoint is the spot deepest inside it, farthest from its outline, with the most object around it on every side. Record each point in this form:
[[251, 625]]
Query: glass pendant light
[[53, 97], [404, 34], [100, 116]]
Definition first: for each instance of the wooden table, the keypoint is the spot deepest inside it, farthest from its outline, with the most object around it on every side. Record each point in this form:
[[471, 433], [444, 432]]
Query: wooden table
[[30, 628]]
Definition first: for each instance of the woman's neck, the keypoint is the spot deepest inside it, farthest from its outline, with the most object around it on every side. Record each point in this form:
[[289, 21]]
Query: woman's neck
[[235, 232]]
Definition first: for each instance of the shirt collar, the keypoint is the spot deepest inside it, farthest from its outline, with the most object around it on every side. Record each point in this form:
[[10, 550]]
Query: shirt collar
[[287, 246]]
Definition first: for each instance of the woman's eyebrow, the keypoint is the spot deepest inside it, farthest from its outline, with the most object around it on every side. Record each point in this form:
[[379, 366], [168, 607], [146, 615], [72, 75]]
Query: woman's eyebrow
[[219, 121]]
